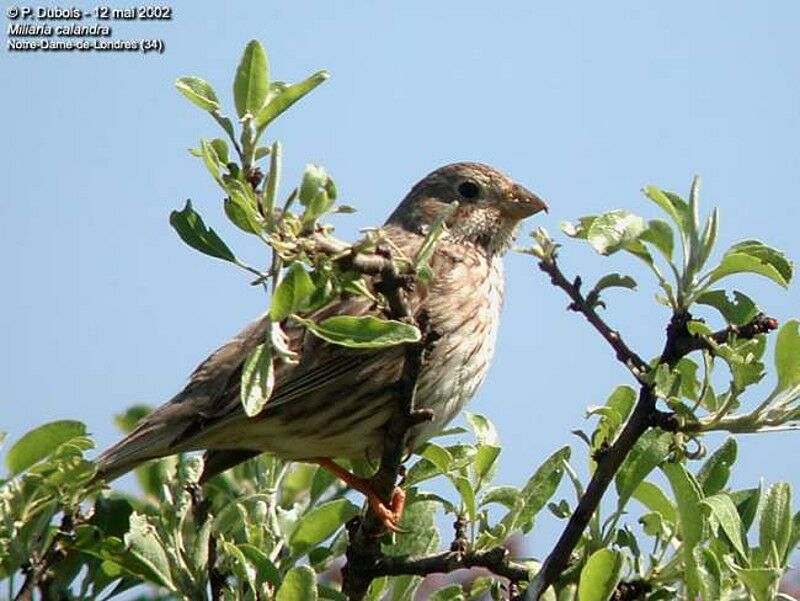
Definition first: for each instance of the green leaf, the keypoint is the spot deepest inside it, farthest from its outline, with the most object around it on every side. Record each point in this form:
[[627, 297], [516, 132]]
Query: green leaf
[[422, 470], [688, 496], [272, 181], [674, 206], [775, 526], [753, 256], [611, 231], [258, 380], [220, 146], [742, 358], [484, 429], [295, 287], [286, 98], [199, 91], [613, 414], [320, 523], [538, 490], [226, 124], [420, 535], [621, 401], [463, 455], [127, 421], [761, 583], [440, 457], [265, 569], [319, 205], [237, 562], [600, 575], [638, 249], [709, 238], [452, 592], [747, 502], [147, 548], [659, 234], [613, 280], [694, 205], [241, 206], [377, 589], [714, 474], [485, 463], [653, 524], [652, 497], [446, 505], [739, 311], [722, 508], [252, 80], [467, 494], [40, 443], [192, 230], [578, 230], [211, 160], [787, 355], [794, 539], [504, 495], [299, 583], [647, 454], [710, 574], [362, 332], [314, 179]]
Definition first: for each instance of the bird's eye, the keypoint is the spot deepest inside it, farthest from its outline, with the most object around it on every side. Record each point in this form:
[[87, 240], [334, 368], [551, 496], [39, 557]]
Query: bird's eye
[[469, 190]]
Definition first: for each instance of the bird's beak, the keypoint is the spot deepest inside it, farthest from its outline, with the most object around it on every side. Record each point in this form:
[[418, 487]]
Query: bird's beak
[[522, 203]]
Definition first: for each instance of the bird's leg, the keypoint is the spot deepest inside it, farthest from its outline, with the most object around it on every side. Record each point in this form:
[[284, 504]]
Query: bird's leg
[[389, 516]]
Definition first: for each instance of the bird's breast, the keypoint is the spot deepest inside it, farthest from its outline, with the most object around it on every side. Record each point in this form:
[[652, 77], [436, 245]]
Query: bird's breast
[[464, 311]]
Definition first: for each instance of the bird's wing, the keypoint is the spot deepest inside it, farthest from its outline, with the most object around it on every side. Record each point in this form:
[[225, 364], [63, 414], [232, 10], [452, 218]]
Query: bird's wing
[[322, 367], [210, 401]]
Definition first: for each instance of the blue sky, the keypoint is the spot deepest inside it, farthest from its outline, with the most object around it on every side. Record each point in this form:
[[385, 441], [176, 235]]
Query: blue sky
[[104, 307]]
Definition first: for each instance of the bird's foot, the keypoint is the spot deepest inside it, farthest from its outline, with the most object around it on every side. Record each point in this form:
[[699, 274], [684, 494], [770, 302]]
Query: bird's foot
[[388, 515]]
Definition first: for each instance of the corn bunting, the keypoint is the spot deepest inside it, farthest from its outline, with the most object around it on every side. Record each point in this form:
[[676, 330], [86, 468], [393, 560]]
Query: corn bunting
[[336, 401]]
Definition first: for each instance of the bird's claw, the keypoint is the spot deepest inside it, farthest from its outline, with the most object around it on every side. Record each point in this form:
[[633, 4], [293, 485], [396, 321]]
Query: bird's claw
[[389, 516]]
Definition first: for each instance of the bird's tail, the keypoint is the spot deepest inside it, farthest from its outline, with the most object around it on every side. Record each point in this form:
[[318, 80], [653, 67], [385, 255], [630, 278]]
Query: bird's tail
[[173, 428], [150, 440]]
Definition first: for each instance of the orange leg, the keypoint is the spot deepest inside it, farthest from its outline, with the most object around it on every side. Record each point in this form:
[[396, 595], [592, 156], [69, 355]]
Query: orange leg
[[390, 516]]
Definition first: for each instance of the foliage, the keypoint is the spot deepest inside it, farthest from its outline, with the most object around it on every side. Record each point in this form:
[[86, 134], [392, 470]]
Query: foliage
[[673, 527]]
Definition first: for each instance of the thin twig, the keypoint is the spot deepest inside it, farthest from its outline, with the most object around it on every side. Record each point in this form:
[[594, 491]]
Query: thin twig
[[495, 559], [579, 304], [679, 342], [760, 324], [201, 505], [39, 567]]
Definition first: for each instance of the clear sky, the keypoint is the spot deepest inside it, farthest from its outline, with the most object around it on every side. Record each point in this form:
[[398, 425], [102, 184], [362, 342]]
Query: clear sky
[[583, 102]]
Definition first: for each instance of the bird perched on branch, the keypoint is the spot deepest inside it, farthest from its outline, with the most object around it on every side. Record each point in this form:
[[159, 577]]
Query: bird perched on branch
[[335, 402]]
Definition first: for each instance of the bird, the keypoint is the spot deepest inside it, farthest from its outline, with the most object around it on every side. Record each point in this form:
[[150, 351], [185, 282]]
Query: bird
[[335, 402]]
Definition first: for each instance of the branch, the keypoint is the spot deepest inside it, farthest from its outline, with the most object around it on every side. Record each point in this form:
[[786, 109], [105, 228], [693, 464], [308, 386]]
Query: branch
[[679, 342], [365, 561], [364, 550], [760, 324], [216, 578], [495, 560], [37, 573], [608, 464], [579, 304]]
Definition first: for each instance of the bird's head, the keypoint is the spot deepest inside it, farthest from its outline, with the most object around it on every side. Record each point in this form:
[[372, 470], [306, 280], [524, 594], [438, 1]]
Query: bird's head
[[490, 205]]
